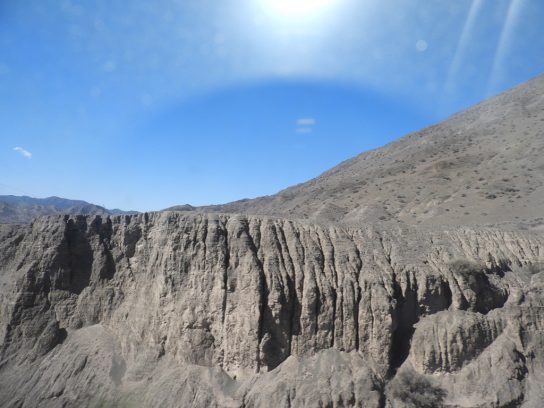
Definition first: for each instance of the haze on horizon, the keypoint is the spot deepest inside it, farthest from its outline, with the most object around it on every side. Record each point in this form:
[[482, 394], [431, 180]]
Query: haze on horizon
[[150, 105]]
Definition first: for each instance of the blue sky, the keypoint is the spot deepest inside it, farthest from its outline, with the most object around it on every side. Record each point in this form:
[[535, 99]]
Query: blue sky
[[142, 105]]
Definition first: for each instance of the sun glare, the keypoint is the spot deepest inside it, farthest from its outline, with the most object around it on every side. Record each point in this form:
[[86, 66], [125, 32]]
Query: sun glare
[[293, 8]]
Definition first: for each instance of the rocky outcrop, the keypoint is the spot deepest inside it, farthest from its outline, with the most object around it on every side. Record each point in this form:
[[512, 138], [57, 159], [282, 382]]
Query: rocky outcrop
[[328, 379], [225, 303]]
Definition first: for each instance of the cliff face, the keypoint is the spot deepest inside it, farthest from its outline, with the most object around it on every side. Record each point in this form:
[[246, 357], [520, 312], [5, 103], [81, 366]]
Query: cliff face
[[168, 309]]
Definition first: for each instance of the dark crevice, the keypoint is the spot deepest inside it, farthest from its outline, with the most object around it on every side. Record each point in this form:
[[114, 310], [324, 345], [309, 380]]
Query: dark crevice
[[523, 371], [479, 293], [318, 302], [288, 291], [446, 290], [335, 292], [293, 312], [499, 268], [275, 347], [317, 308], [79, 254], [406, 314], [334, 300], [400, 346], [109, 268], [356, 317], [226, 267], [263, 294], [204, 237], [359, 298], [294, 320], [263, 304], [296, 309], [382, 401], [488, 296]]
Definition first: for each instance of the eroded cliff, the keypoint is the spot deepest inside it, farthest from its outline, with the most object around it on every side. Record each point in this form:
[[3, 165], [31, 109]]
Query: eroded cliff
[[166, 309]]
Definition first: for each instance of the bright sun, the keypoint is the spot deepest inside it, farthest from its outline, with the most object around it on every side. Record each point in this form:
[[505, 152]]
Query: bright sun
[[297, 7]]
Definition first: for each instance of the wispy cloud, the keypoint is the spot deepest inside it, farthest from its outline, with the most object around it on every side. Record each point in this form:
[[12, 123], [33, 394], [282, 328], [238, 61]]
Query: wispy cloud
[[306, 122], [305, 125], [23, 152]]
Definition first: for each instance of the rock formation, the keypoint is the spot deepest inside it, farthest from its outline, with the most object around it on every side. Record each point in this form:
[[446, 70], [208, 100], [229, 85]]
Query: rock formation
[[215, 310]]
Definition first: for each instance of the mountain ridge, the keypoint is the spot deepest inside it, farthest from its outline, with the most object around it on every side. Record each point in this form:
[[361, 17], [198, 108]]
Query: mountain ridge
[[474, 168], [24, 209]]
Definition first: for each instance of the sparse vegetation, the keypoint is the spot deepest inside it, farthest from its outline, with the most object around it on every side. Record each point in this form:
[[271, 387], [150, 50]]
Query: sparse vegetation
[[415, 390], [465, 268]]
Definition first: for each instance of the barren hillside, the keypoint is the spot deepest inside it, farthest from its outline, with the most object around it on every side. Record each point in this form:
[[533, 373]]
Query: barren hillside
[[481, 166]]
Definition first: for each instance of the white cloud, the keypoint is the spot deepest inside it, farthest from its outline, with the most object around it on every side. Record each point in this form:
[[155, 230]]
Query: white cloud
[[23, 152], [305, 125], [306, 122]]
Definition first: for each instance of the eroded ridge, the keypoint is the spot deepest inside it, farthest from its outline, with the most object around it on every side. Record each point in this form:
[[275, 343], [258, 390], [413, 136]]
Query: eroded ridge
[[244, 294]]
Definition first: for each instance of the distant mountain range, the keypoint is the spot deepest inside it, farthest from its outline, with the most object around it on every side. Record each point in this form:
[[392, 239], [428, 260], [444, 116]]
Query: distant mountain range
[[23, 209]]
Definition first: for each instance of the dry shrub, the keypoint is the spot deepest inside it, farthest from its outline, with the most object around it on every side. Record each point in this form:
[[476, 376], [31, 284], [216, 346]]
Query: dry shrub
[[415, 390]]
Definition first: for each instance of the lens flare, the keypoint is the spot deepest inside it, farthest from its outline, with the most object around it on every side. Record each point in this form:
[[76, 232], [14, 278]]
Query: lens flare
[[297, 7]]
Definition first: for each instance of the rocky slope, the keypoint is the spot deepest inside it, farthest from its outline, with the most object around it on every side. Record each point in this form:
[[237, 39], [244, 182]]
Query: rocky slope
[[23, 209], [481, 166], [172, 309]]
